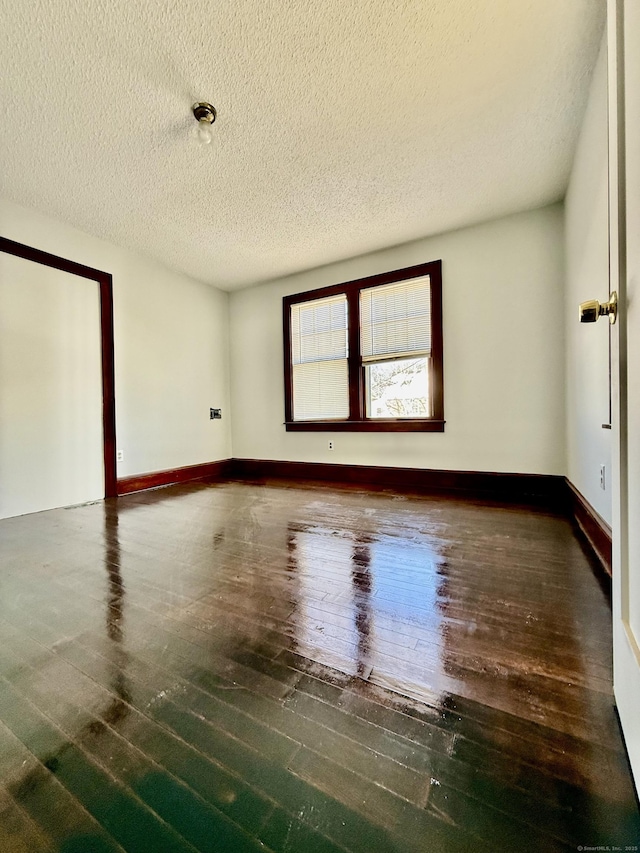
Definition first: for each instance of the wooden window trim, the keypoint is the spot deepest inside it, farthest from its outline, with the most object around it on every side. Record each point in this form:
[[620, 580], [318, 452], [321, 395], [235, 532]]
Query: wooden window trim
[[357, 422]]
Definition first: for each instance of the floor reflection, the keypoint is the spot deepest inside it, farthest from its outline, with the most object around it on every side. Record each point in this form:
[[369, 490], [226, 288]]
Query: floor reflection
[[115, 597], [362, 588], [365, 601], [118, 709], [293, 576]]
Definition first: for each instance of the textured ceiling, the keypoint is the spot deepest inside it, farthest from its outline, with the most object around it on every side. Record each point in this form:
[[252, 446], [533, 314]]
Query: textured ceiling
[[342, 127]]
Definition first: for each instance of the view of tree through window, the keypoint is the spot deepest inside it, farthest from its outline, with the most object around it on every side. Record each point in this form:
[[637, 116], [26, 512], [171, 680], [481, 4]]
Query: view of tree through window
[[398, 389]]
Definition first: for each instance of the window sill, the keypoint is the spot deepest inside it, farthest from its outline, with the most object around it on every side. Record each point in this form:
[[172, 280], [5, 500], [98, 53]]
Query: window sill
[[372, 425]]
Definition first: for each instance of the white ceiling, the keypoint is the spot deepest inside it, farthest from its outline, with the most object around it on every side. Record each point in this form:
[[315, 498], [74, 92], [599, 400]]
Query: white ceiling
[[343, 127]]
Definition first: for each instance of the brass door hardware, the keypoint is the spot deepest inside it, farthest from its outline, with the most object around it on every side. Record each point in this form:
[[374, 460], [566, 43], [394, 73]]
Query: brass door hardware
[[592, 309]]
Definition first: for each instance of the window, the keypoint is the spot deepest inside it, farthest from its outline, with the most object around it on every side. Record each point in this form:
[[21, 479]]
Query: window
[[319, 359], [366, 354]]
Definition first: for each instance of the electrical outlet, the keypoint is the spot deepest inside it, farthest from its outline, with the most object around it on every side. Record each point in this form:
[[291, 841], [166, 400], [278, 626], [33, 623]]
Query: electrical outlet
[[603, 484], [330, 445], [120, 456]]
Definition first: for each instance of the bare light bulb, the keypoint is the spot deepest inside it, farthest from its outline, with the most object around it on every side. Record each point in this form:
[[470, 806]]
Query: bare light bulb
[[205, 115], [203, 133]]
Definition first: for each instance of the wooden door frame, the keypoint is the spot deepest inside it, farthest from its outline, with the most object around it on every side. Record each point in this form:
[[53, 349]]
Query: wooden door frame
[[105, 282]]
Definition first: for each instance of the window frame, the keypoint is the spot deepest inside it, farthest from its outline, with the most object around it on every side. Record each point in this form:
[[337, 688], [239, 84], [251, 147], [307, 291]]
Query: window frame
[[357, 420]]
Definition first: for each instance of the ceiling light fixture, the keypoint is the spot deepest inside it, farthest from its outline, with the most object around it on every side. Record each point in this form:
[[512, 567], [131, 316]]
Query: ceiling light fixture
[[205, 115]]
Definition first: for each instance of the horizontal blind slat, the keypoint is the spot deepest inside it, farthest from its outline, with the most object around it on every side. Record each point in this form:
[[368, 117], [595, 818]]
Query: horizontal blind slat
[[319, 359], [396, 318], [319, 329], [321, 390]]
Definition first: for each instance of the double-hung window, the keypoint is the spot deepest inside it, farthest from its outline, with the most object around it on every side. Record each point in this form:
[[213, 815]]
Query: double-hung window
[[366, 354]]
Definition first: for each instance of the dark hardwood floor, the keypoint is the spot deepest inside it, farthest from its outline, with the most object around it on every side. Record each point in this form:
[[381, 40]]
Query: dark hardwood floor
[[235, 666]]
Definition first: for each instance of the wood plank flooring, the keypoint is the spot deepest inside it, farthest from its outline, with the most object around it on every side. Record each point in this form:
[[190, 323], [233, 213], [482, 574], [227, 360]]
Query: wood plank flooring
[[236, 666]]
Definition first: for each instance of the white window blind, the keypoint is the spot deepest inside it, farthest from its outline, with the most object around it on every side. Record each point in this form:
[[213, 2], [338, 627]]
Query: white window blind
[[395, 319], [319, 359]]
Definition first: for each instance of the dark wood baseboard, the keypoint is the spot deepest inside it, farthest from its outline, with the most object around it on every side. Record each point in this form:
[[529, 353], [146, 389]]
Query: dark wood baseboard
[[593, 527], [220, 470], [538, 488]]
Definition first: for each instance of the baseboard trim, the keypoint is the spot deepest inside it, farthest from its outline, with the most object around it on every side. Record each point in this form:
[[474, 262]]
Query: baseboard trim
[[593, 527], [538, 488], [204, 471]]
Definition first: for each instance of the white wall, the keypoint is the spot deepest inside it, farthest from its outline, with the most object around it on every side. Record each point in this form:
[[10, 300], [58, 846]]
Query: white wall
[[503, 355], [587, 277], [171, 348], [50, 388]]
